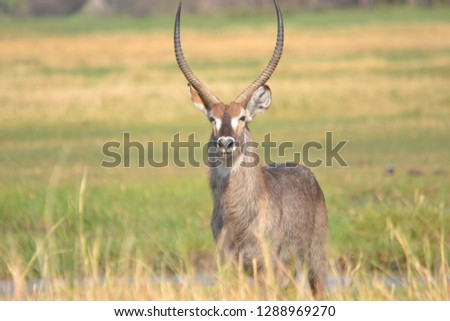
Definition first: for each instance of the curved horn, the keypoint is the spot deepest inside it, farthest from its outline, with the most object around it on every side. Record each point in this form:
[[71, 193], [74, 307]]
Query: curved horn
[[206, 95], [244, 97]]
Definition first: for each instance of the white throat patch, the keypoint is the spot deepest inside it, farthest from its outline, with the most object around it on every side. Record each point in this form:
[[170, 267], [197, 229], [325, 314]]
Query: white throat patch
[[224, 170]]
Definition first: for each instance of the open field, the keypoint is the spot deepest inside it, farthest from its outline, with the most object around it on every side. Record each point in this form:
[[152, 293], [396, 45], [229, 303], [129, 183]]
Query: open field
[[379, 79]]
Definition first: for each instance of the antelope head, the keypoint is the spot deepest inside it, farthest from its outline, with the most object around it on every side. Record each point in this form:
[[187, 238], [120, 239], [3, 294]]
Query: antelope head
[[229, 121]]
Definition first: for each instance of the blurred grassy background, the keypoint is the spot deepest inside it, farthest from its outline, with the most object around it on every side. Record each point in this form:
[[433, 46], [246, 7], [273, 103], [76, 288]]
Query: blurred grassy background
[[378, 78]]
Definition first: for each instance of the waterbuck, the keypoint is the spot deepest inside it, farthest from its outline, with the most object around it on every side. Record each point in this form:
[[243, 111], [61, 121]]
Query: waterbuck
[[276, 212]]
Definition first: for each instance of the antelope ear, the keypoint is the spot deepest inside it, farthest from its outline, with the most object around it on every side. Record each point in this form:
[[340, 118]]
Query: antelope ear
[[197, 100], [259, 102]]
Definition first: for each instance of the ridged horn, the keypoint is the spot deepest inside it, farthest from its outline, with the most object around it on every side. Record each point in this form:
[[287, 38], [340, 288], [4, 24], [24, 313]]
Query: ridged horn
[[207, 96], [245, 96]]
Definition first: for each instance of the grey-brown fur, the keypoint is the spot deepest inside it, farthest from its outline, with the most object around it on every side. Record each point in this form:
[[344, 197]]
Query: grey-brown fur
[[283, 207], [269, 217]]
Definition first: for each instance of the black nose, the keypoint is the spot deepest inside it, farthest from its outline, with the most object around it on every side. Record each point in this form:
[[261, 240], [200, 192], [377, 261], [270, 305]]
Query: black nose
[[226, 143]]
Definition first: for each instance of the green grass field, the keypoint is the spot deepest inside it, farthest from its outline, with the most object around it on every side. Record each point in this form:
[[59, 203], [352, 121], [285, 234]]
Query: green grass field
[[379, 79]]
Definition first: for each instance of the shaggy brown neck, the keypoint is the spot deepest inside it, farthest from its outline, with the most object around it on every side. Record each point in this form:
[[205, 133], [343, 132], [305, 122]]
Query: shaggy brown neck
[[239, 189]]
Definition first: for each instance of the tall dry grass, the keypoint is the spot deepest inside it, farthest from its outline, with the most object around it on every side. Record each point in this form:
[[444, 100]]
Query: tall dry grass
[[75, 231]]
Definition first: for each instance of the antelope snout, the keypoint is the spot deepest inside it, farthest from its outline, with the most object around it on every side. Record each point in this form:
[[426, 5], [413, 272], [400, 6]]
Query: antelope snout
[[226, 144]]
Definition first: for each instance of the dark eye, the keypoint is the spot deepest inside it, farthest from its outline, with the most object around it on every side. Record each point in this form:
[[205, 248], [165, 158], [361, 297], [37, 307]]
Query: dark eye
[[211, 119], [242, 118]]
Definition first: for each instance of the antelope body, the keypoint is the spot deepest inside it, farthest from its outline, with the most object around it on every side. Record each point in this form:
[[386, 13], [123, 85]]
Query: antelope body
[[277, 212]]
